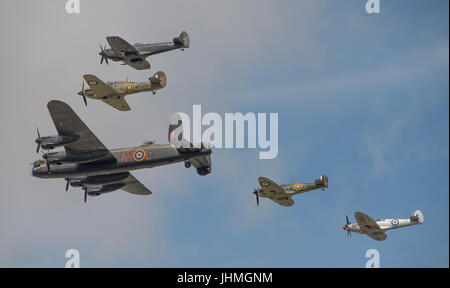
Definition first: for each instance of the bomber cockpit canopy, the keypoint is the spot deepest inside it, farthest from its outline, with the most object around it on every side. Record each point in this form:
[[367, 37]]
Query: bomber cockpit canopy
[[148, 142]]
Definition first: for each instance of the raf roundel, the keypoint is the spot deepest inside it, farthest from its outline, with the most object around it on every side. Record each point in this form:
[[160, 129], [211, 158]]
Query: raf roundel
[[129, 87], [139, 155], [394, 222], [298, 187], [265, 184]]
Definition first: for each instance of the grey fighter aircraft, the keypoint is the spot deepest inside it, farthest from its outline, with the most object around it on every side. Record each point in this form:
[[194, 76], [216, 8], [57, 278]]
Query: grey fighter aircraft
[[375, 229], [113, 92], [88, 164], [134, 55], [282, 194]]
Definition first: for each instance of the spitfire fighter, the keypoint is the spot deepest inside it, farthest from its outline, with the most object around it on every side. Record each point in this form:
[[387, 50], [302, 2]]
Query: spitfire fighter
[[134, 55], [113, 92], [282, 194], [375, 229], [88, 164]]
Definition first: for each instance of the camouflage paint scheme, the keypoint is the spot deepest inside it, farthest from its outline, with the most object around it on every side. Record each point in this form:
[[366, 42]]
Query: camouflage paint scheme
[[113, 92], [87, 163], [282, 194], [134, 55]]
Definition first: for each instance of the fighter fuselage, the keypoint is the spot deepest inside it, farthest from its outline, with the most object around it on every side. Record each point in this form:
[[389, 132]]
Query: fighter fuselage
[[385, 225], [144, 49]]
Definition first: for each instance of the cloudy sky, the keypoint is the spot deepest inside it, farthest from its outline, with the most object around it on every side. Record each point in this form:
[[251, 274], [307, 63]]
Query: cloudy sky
[[362, 98]]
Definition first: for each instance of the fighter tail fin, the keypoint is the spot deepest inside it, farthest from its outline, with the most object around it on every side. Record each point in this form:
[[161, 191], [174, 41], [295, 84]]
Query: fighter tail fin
[[183, 39], [159, 79], [417, 217], [322, 180]]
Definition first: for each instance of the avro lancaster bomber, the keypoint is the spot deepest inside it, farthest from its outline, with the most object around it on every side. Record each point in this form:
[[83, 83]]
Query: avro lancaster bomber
[[88, 164]]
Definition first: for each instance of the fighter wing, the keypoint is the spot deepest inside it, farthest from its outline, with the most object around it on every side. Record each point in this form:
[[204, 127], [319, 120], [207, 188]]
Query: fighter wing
[[274, 192], [138, 63], [106, 93], [119, 103], [369, 226], [132, 185], [68, 123], [100, 88], [130, 55]]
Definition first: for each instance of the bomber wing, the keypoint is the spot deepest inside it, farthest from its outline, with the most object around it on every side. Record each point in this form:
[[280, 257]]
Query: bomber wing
[[133, 186], [130, 55], [274, 192], [68, 123], [369, 226], [106, 93]]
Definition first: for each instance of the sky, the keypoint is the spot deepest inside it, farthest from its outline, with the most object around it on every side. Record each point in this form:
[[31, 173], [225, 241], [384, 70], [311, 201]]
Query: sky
[[361, 97]]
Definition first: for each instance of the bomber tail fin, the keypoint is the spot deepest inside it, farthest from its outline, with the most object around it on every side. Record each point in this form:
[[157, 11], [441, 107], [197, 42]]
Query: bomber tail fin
[[183, 39], [417, 217]]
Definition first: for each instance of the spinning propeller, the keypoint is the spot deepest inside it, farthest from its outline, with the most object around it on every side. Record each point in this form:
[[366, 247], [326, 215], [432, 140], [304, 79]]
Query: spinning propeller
[[257, 197], [81, 93], [38, 148], [103, 55], [85, 193], [349, 233], [38, 141]]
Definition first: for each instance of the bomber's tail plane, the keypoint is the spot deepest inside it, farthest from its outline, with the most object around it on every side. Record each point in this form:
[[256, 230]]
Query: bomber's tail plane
[[197, 155]]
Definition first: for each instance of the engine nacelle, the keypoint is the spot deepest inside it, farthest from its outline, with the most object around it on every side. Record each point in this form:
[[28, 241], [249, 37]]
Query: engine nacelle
[[97, 190], [50, 142], [204, 170], [67, 157], [98, 179]]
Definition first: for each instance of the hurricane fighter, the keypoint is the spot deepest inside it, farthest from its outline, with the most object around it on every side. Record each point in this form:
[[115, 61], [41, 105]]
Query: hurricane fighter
[[113, 92], [87, 163]]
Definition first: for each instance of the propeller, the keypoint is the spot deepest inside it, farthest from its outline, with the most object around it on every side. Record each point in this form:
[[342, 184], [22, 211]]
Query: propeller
[[38, 141], [67, 184], [103, 55], [257, 197], [85, 194], [81, 93], [349, 233]]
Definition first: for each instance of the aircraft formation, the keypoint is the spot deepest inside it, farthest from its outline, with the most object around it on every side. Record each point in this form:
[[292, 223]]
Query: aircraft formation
[[88, 164]]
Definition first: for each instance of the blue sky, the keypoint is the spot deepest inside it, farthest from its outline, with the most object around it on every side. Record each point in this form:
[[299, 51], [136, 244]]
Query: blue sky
[[362, 98]]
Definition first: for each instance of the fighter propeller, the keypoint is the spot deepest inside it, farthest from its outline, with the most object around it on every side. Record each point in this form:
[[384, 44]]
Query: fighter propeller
[[349, 233], [102, 53], [81, 93], [257, 197]]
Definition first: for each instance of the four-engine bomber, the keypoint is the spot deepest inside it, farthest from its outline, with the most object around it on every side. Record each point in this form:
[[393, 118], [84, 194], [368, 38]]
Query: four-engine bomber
[[87, 163]]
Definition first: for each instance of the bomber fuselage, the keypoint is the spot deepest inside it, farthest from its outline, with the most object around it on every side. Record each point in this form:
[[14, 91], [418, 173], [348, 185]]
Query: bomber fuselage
[[125, 159]]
